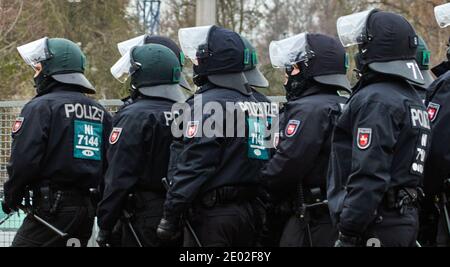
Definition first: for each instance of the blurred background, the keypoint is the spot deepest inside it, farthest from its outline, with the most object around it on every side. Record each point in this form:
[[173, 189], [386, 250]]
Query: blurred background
[[98, 25]]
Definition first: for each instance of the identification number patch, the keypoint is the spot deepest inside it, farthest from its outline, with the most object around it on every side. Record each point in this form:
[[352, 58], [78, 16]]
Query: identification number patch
[[418, 164], [87, 140], [257, 148]]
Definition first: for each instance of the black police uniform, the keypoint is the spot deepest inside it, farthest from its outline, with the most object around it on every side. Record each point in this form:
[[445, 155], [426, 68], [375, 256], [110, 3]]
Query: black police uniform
[[58, 152], [217, 177], [437, 169], [302, 156], [379, 148], [138, 160]]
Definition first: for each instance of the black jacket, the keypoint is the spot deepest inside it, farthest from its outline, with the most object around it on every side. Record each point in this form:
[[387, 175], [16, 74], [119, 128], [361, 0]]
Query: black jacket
[[303, 151], [437, 168], [202, 163], [138, 158], [380, 142], [60, 138]]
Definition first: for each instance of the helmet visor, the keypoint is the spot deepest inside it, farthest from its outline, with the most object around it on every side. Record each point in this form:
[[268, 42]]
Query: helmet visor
[[126, 46], [191, 39], [35, 52], [350, 28], [122, 69], [287, 52], [442, 14]]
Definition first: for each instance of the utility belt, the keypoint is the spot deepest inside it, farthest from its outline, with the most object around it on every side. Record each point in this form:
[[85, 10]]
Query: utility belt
[[314, 195], [442, 198], [400, 199], [314, 202], [228, 195], [50, 199]]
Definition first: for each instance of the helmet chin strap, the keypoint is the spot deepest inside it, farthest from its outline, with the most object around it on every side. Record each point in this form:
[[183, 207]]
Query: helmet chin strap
[[134, 92]]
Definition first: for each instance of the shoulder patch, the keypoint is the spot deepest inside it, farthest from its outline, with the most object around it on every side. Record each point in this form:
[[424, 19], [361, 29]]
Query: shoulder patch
[[433, 110], [115, 135], [292, 128], [192, 129], [17, 124], [364, 138]]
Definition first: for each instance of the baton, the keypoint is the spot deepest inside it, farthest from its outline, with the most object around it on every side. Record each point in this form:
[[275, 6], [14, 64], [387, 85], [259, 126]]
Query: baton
[[303, 207], [127, 217], [185, 220], [323, 203], [446, 215], [6, 218], [43, 222]]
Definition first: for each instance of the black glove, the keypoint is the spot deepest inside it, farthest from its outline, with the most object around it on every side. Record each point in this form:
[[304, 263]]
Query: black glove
[[345, 241], [168, 230], [104, 238]]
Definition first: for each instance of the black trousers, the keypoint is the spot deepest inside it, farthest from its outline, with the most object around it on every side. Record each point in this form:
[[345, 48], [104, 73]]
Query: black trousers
[[393, 229], [443, 236], [321, 231], [275, 222], [225, 225], [144, 222], [77, 221]]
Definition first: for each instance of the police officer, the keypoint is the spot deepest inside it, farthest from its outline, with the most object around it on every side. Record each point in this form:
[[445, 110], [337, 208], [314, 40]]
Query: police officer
[[427, 213], [381, 140], [123, 48], [423, 57], [315, 66], [214, 169], [273, 219], [437, 168], [58, 148], [139, 146]]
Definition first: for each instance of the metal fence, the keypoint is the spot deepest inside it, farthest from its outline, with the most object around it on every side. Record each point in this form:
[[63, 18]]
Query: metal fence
[[9, 111]]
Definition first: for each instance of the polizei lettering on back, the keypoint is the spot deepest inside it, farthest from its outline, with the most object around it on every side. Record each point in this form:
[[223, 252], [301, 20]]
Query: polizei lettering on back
[[81, 111], [419, 118]]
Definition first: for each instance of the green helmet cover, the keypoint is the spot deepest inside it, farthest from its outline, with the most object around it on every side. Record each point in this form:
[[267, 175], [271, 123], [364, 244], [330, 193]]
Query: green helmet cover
[[154, 64], [65, 57], [66, 64], [423, 56]]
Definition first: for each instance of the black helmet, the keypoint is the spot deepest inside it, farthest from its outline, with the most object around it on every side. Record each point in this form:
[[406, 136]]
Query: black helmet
[[322, 58], [387, 43], [218, 55]]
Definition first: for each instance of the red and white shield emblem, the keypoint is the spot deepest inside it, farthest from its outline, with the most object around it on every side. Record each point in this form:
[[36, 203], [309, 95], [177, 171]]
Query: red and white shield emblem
[[192, 129], [433, 110], [364, 138], [292, 127], [115, 135], [17, 125]]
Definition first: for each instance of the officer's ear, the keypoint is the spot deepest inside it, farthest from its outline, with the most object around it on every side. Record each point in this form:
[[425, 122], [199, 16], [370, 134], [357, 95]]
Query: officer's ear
[[295, 70], [37, 69]]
